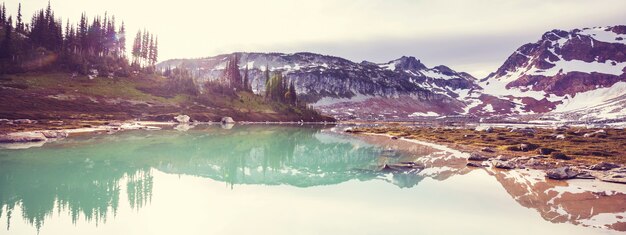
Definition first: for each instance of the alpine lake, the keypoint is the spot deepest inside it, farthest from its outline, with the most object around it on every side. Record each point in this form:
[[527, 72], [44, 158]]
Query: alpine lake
[[284, 179]]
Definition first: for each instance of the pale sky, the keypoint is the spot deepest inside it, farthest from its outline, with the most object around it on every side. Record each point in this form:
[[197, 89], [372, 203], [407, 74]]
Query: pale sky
[[475, 36]]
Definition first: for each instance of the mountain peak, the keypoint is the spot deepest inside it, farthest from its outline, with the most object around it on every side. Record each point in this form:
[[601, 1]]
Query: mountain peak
[[405, 63]]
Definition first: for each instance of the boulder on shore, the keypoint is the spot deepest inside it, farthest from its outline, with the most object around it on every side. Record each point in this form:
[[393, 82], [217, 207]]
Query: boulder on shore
[[182, 119], [560, 156], [604, 166], [525, 131], [504, 164], [561, 173], [487, 129], [477, 157], [54, 134], [24, 121], [545, 151], [227, 120]]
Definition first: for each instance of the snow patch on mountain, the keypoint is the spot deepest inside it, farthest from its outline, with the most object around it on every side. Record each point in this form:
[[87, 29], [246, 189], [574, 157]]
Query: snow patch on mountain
[[590, 98], [604, 34], [333, 100], [424, 114]]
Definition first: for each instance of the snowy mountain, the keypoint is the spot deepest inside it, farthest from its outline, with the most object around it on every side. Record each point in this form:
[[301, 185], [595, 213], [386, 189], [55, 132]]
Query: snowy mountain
[[580, 71], [566, 75], [399, 89]]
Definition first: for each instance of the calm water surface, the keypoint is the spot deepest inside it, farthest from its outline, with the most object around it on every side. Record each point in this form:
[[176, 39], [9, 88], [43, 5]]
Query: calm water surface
[[282, 180]]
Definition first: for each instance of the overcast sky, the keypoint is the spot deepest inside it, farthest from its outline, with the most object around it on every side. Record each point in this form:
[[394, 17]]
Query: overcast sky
[[475, 36]]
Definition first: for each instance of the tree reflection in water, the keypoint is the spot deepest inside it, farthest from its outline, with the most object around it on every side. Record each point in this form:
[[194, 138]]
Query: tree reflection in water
[[84, 176]]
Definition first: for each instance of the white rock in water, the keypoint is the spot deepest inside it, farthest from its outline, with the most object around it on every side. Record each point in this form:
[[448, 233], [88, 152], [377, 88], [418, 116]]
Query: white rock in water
[[228, 120], [54, 134], [182, 119], [153, 128], [132, 126], [22, 137]]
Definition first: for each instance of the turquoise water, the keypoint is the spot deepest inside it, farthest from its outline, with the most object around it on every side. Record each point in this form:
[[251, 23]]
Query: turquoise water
[[252, 179]]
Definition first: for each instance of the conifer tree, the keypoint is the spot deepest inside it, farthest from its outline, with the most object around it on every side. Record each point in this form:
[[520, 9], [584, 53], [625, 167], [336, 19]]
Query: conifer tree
[[266, 75], [246, 80], [150, 53], [137, 48], [155, 52], [144, 46], [293, 97], [3, 14], [121, 35], [19, 26], [6, 48]]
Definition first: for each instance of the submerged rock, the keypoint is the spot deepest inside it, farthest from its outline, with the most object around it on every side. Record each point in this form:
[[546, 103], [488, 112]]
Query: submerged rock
[[561, 173]]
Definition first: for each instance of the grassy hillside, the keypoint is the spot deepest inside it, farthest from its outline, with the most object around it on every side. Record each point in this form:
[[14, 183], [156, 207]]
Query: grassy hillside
[[60, 96]]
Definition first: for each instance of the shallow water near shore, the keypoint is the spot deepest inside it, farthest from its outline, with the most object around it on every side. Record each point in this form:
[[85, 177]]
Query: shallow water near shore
[[268, 179]]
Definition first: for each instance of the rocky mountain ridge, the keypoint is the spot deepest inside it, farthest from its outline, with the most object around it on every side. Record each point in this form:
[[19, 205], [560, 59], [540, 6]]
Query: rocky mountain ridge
[[556, 76]]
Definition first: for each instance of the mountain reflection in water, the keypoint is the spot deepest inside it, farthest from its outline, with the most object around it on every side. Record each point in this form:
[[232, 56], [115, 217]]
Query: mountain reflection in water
[[85, 176]]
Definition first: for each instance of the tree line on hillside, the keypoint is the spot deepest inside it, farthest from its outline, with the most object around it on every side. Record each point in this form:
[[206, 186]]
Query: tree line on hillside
[[278, 88], [47, 44]]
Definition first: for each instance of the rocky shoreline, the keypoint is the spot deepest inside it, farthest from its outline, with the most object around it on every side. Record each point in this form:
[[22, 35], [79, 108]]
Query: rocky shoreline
[[26, 133], [556, 164]]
